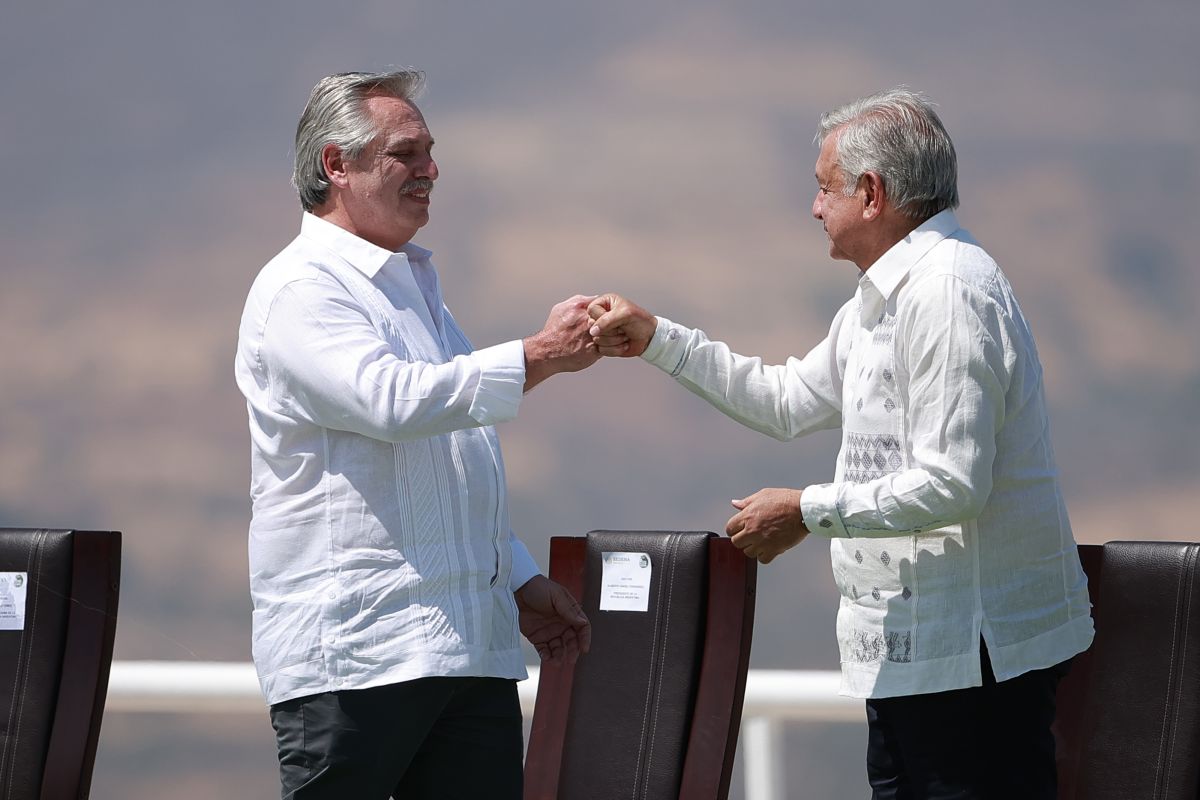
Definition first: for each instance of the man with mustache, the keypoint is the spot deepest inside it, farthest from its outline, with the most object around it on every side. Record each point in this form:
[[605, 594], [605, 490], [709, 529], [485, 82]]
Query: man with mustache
[[388, 589], [962, 595]]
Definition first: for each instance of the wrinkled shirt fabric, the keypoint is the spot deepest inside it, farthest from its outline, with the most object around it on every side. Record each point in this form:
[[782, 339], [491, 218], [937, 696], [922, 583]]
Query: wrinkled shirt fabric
[[945, 515], [379, 547]]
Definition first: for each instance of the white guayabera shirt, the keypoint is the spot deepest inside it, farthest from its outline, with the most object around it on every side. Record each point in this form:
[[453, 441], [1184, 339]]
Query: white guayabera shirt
[[945, 514], [380, 549]]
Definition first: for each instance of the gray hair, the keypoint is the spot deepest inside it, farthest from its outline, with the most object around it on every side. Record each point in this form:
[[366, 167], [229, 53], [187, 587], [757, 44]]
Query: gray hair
[[335, 114], [897, 134]]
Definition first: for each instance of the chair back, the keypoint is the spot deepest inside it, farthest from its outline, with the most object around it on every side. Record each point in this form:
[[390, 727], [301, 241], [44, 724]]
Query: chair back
[[58, 613], [653, 711], [1128, 722]]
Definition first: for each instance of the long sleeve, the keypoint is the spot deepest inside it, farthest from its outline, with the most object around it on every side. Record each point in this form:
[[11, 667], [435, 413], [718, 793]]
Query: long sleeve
[[523, 565], [327, 364], [781, 401], [953, 362]]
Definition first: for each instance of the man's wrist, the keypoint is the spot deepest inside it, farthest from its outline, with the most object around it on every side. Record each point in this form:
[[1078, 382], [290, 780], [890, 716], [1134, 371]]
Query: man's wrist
[[530, 580], [538, 365]]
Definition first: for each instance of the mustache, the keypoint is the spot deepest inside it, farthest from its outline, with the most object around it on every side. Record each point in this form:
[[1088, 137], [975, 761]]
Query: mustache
[[417, 185]]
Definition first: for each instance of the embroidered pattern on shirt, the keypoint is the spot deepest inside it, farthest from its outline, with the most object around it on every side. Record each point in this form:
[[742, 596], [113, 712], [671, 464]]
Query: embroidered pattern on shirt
[[885, 330], [870, 456], [871, 647]]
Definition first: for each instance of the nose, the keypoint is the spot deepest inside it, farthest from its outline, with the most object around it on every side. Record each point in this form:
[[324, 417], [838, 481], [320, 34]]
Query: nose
[[427, 169], [816, 206]]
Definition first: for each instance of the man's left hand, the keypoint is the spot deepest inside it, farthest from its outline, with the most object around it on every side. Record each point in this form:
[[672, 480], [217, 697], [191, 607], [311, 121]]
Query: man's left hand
[[552, 621], [768, 522]]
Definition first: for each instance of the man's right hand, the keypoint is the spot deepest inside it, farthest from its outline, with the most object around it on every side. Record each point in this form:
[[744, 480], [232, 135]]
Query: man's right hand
[[620, 328], [563, 345]]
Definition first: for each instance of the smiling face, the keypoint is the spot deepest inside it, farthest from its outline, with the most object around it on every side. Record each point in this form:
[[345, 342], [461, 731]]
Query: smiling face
[[841, 214], [384, 193]]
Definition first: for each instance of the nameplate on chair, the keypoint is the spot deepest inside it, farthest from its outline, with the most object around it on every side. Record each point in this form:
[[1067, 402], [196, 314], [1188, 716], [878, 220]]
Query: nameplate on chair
[[625, 582], [12, 600]]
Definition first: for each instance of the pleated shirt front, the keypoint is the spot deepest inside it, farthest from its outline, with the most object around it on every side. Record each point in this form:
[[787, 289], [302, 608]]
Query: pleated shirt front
[[380, 549]]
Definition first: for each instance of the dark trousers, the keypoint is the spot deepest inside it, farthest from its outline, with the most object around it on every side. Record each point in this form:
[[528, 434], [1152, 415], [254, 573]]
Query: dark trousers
[[990, 741], [443, 738]]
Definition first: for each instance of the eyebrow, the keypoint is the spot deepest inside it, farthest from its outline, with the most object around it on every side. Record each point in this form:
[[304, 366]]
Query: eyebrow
[[409, 140]]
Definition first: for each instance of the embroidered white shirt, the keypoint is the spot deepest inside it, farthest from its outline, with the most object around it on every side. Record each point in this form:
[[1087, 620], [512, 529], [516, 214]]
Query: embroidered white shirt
[[380, 548], [945, 513]]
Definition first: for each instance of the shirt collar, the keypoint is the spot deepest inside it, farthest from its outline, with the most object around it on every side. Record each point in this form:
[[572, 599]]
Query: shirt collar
[[367, 258], [891, 268]]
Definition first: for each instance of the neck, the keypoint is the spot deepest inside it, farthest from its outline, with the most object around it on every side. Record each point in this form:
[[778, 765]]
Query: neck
[[892, 229], [386, 237]]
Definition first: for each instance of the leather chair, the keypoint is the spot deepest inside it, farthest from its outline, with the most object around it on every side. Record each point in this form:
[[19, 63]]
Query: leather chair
[[54, 668], [1128, 721], [653, 711]]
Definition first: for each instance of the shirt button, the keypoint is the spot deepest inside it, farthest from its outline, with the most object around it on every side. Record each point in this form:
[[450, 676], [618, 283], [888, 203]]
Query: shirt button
[[333, 595], [673, 335]]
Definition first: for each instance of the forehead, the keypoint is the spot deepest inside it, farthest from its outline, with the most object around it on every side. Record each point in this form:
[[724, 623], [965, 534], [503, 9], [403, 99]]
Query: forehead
[[827, 160], [396, 118]]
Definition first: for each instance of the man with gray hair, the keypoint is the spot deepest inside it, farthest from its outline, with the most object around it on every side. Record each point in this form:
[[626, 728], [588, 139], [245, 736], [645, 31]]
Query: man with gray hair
[[388, 589], [962, 595]]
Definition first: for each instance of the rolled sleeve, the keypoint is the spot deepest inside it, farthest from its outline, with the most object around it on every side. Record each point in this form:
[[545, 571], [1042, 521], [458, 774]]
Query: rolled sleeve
[[501, 381]]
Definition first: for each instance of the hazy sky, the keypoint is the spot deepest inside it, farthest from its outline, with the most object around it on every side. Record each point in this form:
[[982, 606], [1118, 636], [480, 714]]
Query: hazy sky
[[659, 149]]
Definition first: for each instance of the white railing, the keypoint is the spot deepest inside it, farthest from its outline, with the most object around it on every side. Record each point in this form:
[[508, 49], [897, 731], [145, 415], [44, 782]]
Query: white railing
[[772, 697]]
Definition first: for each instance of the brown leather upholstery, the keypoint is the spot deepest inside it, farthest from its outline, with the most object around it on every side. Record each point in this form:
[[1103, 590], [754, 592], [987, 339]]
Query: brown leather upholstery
[[653, 711], [1129, 713], [1068, 721], [54, 672]]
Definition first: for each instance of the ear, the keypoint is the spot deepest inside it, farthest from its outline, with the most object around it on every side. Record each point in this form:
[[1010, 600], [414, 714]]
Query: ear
[[334, 164], [874, 194]]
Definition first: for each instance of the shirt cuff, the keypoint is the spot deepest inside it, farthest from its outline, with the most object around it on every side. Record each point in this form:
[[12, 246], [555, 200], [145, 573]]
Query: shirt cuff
[[501, 383], [818, 507], [523, 565], [668, 347]]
